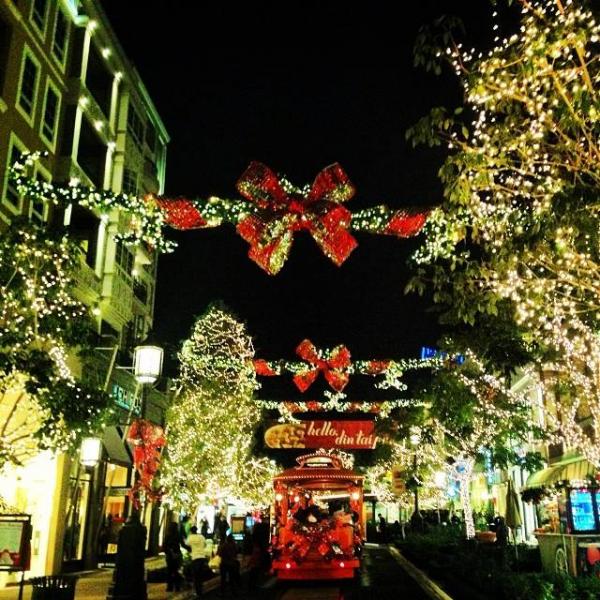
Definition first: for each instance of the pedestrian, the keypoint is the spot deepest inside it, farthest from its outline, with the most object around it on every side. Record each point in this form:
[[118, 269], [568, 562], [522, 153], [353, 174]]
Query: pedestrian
[[382, 528], [173, 557], [204, 527], [230, 566], [199, 565], [223, 526]]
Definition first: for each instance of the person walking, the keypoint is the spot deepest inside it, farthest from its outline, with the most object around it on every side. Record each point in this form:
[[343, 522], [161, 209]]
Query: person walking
[[230, 566], [173, 557], [383, 528], [204, 527], [223, 526], [199, 565]]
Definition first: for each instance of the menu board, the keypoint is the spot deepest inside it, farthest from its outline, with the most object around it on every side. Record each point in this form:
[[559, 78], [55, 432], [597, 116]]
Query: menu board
[[11, 544]]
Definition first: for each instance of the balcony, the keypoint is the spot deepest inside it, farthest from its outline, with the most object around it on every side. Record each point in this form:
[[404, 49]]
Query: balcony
[[117, 290], [140, 291], [88, 286]]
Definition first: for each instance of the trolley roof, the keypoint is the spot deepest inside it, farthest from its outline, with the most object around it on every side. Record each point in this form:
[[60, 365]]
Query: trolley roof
[[319, 470]]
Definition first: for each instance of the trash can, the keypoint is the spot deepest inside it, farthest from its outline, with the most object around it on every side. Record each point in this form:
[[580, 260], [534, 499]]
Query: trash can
[[53, 587]]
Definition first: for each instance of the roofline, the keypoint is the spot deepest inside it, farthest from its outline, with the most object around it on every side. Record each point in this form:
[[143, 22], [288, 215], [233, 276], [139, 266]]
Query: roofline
[[132, 72]]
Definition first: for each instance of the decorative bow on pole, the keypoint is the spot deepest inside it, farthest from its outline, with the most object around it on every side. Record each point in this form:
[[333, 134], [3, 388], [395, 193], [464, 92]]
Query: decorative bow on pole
[[334, 367], [147, 440], [270, 231]]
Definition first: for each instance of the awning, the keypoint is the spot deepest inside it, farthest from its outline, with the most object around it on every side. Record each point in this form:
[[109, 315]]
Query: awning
[[574, 469], [115, 447]]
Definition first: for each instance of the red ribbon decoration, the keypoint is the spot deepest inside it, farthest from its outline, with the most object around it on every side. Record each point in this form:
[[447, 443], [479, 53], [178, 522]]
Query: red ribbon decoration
[[263, 368], [405, 223], [181, 214], [270, 233], [148, 440], [332, 367]]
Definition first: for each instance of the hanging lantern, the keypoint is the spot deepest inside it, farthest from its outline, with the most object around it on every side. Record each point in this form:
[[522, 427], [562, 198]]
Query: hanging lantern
[[91, 451], [147, 363]]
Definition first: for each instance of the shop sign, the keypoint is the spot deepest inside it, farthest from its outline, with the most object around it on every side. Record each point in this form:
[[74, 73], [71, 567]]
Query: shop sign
[[15, 536], [355, 435], [124, 398]]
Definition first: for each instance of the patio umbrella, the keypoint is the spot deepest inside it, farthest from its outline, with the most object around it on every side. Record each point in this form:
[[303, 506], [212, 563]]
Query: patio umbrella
[[513, 514]]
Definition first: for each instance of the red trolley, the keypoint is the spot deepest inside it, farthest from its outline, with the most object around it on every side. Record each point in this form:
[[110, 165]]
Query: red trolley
[[312, 540]]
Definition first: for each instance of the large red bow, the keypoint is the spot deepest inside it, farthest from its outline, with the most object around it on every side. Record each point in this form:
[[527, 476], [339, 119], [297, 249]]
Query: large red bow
[[333, 367], [270, 233]]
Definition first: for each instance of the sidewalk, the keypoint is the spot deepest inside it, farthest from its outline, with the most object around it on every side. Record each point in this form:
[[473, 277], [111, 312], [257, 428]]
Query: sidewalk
[[93, 585]]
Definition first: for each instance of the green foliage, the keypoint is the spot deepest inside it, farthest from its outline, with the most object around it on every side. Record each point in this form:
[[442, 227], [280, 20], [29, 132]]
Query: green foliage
[[42, 404], [466, 569], [512, 257]]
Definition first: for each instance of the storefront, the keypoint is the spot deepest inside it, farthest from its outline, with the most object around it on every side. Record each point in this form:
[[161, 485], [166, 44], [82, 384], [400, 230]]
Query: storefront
[[35, 489], [567, 501]]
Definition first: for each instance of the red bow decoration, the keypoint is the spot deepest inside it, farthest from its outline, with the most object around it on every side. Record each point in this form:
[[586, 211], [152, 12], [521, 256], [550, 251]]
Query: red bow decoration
[[270, 233], [333, 367], [147, 440]]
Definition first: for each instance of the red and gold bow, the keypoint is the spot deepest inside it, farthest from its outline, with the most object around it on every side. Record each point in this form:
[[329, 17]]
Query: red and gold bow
[[333, 367], [270, 232]]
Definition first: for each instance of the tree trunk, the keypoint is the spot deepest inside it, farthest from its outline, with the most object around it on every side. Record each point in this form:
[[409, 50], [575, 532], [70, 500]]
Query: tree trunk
[[465, 477]]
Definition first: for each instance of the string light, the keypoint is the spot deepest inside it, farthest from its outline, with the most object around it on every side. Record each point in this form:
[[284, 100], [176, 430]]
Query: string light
[[521, 218], [212, 420], [41, 403]]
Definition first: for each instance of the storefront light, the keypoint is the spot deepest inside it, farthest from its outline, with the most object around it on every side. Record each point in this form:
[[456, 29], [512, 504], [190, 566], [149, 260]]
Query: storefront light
[[91, 451], [278, 497], [147, 363], [355, 495]]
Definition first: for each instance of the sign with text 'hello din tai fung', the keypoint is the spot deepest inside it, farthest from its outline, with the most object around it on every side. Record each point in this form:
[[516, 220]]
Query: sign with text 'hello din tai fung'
[[355, 435]]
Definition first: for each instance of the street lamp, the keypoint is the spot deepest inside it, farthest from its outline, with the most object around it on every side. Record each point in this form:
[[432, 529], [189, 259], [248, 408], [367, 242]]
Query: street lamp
[[91, 451], [147, 364], [129, 579], [416, 520]]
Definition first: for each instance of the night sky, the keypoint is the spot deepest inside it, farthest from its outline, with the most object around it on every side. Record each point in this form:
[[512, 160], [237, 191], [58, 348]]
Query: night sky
[[298, 92]]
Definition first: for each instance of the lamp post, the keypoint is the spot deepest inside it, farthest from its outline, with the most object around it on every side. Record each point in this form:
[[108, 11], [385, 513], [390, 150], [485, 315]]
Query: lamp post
[[129, 578], [416, 520], [91, 451]]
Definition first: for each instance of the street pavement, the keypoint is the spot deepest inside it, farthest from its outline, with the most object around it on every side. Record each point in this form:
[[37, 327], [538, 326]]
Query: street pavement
[[381, 578]]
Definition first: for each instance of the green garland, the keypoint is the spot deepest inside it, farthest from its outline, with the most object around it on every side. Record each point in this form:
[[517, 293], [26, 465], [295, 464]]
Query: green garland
[[146, 219]]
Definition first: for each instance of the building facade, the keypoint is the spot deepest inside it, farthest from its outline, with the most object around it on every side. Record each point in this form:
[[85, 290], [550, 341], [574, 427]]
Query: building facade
[[68, 89]]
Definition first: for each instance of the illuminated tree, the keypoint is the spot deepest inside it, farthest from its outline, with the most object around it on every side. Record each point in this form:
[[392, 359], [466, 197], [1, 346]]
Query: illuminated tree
[[518, 233], [472, 414], [41, 403], [211, 422]]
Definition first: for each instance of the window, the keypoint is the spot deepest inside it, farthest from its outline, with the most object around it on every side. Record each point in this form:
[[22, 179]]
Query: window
[[151, 136], [12, 198], [39, 12], [129, 182], [99, 80], [50, 114], [30, 72], [38, 208], [61, 36], [5, 35], [135, 127], [124, 258]]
